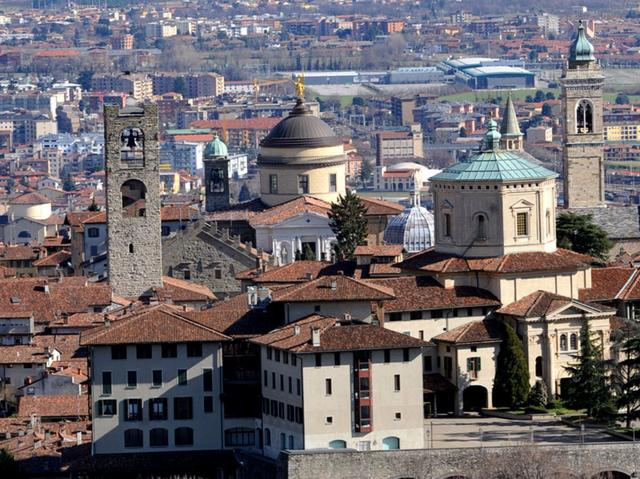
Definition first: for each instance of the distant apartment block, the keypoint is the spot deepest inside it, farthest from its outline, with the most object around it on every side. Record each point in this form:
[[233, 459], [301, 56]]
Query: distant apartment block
[[394, 146], [139, 86]]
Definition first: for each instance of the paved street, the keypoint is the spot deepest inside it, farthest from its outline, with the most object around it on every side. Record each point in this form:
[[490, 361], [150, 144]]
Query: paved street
[[489, 431]]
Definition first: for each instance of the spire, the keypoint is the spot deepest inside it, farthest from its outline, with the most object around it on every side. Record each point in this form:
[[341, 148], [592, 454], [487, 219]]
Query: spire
[[510, 126], [581, 50]]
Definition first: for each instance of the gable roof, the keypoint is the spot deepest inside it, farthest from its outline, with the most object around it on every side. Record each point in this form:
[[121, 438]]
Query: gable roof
[[332, 288], [432, 261], [30, 199], [335, 336], [609, 284], [181, 290], [375, 207], [54, 406], [414, 293], [54, 259], [542, 303], [296, 272], [294, 207], [379, 250], [487, 331], [156, 324]]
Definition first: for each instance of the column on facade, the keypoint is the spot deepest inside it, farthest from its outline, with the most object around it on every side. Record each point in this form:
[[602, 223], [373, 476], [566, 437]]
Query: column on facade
[[548, 364], [318, 248]]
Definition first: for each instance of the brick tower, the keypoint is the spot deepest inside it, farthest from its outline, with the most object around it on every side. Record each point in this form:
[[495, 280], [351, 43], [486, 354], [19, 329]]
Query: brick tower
[[582, 85], [133, 198]]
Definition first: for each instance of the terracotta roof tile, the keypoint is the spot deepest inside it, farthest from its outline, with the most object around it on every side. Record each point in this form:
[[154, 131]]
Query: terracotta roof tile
[[156, 324], [377, 207], [180, 290], [294, 207], [54, 259], [487, 331], [30, 199], [413, 293], [333, 288], [178, 212], [22, 354], [379, 250], [54, 406], [296, 272], [19, 252], [608, 284], [334, 336], [541, 303]]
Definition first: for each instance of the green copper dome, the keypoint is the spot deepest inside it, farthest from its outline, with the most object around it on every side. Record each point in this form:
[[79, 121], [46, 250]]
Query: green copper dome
[[581, 49], [215, 148], [494, 164]]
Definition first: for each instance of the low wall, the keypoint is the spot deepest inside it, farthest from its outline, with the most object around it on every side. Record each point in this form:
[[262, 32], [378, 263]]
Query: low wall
[[585, 460]]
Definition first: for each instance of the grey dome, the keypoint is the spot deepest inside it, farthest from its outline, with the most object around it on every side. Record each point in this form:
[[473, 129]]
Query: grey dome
[[413, 228], [301, 129]]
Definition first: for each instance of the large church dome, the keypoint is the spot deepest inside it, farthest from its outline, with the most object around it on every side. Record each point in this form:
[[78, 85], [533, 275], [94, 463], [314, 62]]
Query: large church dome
[[413, 228]]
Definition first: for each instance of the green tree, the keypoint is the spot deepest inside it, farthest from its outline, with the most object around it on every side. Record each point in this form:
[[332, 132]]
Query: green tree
[[580, 234], [622, 99], [550, 95], [8, 465], [347, 221], [539, 96], [539, 394], [587, 387], [68, 184], [84, 79], [546, 110], [625, 373], [511, 384]]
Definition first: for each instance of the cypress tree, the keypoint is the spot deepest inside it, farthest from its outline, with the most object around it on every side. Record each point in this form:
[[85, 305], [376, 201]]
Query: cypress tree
[[511, 384], [587, 388], [347, 221], [625, 374]]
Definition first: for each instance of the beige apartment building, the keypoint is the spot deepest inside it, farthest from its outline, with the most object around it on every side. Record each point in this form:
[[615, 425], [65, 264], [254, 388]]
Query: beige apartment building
[[337, 385]]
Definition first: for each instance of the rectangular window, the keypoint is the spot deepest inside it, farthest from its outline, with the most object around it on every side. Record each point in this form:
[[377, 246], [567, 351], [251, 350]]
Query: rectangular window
[[427, 363], [182, 377], [303, 184], [436, 314], [119, 352], [395, 316], [298, 387], [299, 416], [333, 182], [183, 408], [273, 184], [132, 379], [169, 350], [274, 408], [473, 367], [133, 438], [158, 437], [396, 382], [266, 379], [294, 360], [285, 357], [208, 404], [157, 377], [158, 409], [405, 354], [290, 385], [290, 413], [194, 350], [107, 407], [281, 410], [269, 353], [106, 382], [387, 356], [277, 355], [282, 382], [133, 410], [448, 367], [522, 224], [327, 387], [273, 380], [207, 379], [336, 359], [415, 315], [446, 225], [143, 351], [318, 358]]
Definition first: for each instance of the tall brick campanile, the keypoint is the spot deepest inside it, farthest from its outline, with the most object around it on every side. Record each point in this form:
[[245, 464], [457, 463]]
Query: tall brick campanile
[[133, 198], [582, 85]]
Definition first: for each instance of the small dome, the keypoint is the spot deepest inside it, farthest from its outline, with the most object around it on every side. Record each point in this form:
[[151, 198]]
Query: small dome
[[301, 129], [215, 148], [413, 228], [581, 49]]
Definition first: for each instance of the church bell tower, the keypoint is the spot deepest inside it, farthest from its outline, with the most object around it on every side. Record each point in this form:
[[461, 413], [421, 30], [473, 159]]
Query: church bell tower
[[582, 86], [133, 198]]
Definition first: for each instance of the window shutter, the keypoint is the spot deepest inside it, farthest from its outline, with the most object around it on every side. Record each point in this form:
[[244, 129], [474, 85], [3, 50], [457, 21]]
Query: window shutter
[[469, 364], [478, 363], [99, 408]]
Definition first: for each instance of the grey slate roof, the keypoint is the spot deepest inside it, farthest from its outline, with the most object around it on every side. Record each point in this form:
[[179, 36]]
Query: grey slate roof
[[620, 222]]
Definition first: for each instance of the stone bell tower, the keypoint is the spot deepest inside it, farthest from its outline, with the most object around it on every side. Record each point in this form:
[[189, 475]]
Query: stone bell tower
[[133, 198], [216, 175], [582, 85]]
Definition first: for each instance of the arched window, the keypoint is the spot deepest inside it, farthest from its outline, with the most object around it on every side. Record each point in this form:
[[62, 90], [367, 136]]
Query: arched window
[[539, 366], [584, 117], [183, 436], [481, 227], [391, 442], [573, 342], [563, 342], [24, 235], [338, 444], [132, 147], [158, 437], [133, 194], [133, 438]]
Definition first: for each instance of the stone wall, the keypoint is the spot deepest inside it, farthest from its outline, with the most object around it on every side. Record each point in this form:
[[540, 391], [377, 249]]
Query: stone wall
[[584, 460]]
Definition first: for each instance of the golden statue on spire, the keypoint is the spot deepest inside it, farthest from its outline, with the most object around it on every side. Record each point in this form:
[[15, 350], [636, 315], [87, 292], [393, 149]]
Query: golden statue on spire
[[299, 85]]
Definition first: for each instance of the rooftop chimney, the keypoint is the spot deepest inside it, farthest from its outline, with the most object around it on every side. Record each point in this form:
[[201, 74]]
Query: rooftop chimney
[[79, 438], [296, 330], [107, 321], [315, 337], [347, 317], [334, 285]]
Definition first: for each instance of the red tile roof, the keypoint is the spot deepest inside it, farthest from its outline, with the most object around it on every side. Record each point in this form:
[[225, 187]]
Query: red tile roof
[[608, 284], [487, 331], [30, 199], [294, 207], [541, 303], [334, 336], [179, 290], [54, 406], [432, 261], [54, 259], [296, 272], [178, 212], [22, 354], [333, 288], [377, 207], [156, 324], [414, 293], [18, 252], [379, 250]]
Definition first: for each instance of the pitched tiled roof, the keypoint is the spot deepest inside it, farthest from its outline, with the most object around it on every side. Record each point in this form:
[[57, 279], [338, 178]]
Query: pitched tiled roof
[[296, 272], [22, 354], [487, 331], [294, 207], [178, 212], [414, 293], [335, 336], [608, 284], [180, 290], [379, 250], [16, 252], [541, 303], [30, 199], [377, 207], [333, 288], [54, 259], [54, 406], [156, 324], [66, 295], [432, 261]]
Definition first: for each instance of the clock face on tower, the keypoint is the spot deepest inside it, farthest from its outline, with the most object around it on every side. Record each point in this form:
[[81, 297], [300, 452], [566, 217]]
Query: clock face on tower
[[216, 180]]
